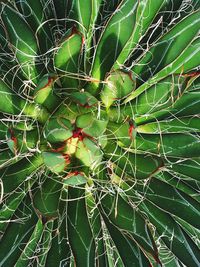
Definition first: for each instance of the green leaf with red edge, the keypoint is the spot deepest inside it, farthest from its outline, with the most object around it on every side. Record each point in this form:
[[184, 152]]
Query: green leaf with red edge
[[44, 93], [21, 141], [85, 21], [124, 133], [84, 99], [91, 124], [117, 85], [88, 153], [55, 162], [75, 179]]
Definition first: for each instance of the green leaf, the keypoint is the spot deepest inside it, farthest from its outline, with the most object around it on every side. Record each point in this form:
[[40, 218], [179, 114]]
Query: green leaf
[[173, 235], [35, 17], [3, 40], [159, 96], [10, 204], [45, 243], [23, 41], [74, 179], [180, 125], [145, 14], [6, 158], [13, 104], [116, 34], [96, 223], [169, 46], [174, 201], [46, 198], [190, 230], [20, 171], [177, 181], [169, 145], [194, 52], [166, 226], [67, 57], [188, 167], [3, 130], [17, 233], [128, 249], [59, 250], [186, 105], [80, 238], [84, 16], [58, 129], [61, 8], [189, 57], [136, 166], [128, 221], [31, 245]]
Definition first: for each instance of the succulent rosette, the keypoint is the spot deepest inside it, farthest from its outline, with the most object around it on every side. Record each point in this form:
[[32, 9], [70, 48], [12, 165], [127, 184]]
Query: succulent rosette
[[99, 133]]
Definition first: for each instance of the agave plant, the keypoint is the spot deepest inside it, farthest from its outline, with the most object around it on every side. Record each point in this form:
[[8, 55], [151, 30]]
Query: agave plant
[[99, 133]]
